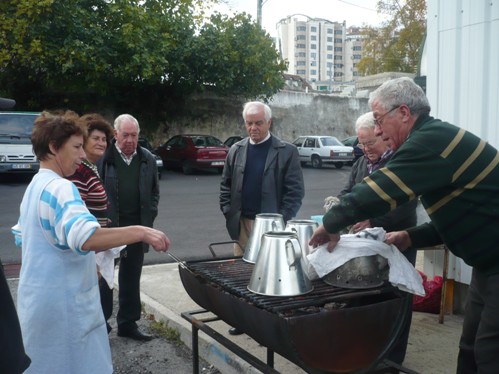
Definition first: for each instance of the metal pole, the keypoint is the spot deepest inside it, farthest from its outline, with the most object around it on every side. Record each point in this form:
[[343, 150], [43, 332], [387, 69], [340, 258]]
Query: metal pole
[[259, 4]]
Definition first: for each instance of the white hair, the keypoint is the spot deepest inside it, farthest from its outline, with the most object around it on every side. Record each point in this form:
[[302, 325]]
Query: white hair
[[125, 118]]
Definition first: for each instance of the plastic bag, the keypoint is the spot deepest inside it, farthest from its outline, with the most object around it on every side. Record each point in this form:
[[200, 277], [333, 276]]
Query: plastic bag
[[431, 302]]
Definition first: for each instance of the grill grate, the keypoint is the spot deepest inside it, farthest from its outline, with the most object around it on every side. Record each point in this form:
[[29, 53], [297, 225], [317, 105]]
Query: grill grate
[[233, 277]]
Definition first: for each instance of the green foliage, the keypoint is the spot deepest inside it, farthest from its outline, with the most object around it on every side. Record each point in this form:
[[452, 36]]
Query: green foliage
[[142, 56], [396, 45], [236, 56]]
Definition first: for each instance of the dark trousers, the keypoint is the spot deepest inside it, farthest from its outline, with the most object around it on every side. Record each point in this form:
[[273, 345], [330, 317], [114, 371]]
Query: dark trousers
[[397, 354], [479, 344], [130, 270]]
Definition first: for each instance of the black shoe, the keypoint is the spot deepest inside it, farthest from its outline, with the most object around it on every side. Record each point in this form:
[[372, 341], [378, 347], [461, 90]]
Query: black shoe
[[234, 331], [135, 334]]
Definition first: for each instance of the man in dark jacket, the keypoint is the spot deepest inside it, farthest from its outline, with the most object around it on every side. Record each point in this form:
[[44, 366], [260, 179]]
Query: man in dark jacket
[[376, 155], [456, 175], [262, 174], [130, 176]]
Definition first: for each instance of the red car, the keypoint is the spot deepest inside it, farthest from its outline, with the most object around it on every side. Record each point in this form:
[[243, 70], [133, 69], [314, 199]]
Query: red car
[[192, 151]]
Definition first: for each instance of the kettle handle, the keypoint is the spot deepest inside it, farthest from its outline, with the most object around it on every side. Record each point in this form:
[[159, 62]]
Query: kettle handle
[[293, 253]]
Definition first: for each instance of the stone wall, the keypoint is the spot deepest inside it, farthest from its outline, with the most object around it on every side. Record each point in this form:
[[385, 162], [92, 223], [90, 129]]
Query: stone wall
[[294, 114]]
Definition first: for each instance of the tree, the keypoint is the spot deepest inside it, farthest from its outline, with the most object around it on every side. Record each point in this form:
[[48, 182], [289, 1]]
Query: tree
[[235, 56], [140, 55], [396, 45]]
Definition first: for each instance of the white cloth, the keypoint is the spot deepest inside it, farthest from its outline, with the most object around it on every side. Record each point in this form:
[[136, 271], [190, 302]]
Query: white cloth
[[105, 262], [368, 242]]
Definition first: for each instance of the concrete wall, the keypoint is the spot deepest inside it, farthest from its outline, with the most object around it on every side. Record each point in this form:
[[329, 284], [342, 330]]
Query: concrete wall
[[294, 114]]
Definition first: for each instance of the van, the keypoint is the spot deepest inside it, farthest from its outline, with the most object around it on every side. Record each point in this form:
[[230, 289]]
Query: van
[[16, 151]]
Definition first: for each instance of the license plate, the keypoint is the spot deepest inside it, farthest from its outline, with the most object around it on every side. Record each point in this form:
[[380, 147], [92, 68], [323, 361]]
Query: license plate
[[21, 166], [343, 154], [217, 163]]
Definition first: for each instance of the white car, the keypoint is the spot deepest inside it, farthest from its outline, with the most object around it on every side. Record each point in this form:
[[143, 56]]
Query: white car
[[318, 150]]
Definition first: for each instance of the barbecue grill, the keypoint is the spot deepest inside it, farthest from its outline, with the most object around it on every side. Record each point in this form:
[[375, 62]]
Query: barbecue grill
[[328, 330]]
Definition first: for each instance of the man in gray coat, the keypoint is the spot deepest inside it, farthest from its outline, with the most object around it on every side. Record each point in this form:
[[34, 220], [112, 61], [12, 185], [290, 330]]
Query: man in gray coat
[[262, 174]]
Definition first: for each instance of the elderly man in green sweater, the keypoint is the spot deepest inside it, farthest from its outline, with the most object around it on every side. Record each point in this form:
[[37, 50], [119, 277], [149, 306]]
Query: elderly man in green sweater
[[456, 175]]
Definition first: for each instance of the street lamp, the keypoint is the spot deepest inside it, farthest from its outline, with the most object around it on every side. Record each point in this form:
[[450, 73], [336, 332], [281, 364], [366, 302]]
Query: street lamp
[[259, 4]]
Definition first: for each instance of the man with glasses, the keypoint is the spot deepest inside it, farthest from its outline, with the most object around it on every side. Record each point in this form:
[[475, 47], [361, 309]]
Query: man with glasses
[[376, 155], [456, 175]]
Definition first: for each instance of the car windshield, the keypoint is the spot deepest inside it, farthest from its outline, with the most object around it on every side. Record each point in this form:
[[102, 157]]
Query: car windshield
[[16, 124], [330, 141], [206, 141]]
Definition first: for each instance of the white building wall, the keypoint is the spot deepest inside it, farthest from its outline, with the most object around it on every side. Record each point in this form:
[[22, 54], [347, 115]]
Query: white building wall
[[462, 57]]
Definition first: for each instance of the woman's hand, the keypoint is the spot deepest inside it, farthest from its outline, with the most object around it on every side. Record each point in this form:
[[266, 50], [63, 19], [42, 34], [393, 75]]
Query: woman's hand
[[321, 236], [157, 239]]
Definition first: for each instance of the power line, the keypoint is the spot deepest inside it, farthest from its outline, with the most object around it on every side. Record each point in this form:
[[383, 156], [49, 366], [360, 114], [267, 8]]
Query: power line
[[358, 6]]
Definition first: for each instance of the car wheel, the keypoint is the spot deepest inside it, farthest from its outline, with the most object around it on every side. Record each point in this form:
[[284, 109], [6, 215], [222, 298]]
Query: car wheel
[[186, 168], [338, 165], [316, 162]]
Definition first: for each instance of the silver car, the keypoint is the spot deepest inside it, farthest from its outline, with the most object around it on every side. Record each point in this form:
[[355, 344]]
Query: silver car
[[318, 150]]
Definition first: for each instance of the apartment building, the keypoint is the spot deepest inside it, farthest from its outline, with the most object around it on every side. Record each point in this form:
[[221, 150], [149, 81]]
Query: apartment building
[[318, 50]]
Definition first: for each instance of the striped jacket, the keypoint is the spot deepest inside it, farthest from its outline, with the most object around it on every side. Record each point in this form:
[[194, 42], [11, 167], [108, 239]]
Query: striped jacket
[[455, 173]]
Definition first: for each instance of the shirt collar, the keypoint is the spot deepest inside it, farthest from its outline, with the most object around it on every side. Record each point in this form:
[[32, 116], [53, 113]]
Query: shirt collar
[[128, 160], [266, 138]]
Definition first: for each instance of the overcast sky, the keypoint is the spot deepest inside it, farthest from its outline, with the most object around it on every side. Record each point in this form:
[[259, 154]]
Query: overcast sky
[[354, 12]]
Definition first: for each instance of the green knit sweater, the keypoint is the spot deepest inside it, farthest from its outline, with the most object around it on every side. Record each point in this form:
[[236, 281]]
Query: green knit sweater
[[457, 176]]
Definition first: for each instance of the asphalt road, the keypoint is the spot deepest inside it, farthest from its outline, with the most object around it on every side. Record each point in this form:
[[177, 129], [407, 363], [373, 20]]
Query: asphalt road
[[188, 211]]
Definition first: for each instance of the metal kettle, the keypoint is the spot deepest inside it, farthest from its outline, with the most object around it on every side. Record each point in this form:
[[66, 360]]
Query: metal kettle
[[278, 269], [263, 222]]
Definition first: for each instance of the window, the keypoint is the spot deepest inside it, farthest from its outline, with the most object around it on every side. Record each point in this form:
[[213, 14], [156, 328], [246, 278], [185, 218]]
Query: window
[[313, 63], [329, 31], [357, 57], [313, 72], [337, 57], [329, 56], [338, 49], [338, 32], [313, 29], [330, 39], [357, 48], [300, 37], [302, 54], [299, 45], [338, 40], [313, 46], [338, 74], [301, 28], [300, 63], [302, 72], [313, 37], [313, 55], [329, 47], [310, 143]]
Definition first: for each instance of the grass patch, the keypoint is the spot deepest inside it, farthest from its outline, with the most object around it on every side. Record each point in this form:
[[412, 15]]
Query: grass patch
[[162, 329]]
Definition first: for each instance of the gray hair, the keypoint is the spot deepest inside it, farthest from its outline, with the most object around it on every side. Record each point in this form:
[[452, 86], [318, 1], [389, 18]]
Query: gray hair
[[125, 118], [396, 92], [365, 121], [250, 107]]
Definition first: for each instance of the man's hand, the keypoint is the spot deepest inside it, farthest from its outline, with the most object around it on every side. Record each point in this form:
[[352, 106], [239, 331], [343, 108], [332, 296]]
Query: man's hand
[[399, 239], [321, 236], [359, 226]]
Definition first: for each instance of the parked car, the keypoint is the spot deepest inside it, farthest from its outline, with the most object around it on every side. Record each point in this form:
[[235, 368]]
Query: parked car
[[231, 140], [323, 149], [193, 151], [16, 151], [353, 141], [143, 142]]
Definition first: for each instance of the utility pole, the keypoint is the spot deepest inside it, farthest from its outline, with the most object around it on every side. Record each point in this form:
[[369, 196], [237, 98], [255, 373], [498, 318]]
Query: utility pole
[[259, 4]]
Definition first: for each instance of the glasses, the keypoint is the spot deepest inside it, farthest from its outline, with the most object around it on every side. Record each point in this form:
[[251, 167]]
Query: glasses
[[367, 144], [379, 121]]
